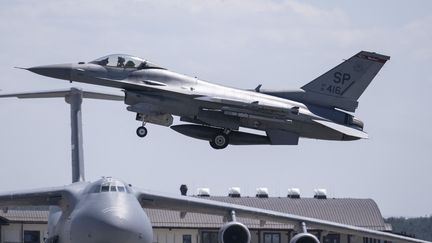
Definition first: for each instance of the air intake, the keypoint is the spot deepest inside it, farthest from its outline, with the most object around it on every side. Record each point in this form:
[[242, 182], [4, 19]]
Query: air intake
[[320, 193], [294, 193], [203, 192], [234, 192], [262, 192]]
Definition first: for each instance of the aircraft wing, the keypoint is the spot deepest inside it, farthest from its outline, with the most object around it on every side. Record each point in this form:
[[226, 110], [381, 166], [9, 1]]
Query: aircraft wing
[[198, 205], [40, 197], [63, 93]]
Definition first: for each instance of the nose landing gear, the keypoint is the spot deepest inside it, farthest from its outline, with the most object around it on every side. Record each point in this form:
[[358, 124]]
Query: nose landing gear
[[142, 130]]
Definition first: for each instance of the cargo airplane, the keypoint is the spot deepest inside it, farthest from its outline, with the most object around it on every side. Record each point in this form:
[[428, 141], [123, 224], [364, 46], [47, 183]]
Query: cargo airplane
[[321, 109]]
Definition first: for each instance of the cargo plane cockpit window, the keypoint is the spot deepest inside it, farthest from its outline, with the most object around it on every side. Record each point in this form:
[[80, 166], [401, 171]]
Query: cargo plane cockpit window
[[112, 187], [104, 188]]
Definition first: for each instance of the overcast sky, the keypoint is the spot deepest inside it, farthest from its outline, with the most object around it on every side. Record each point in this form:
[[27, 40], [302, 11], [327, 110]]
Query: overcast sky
[[280, 43]]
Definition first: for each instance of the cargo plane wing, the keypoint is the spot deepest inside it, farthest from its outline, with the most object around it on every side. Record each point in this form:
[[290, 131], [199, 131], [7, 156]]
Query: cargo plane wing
[[321, 109]]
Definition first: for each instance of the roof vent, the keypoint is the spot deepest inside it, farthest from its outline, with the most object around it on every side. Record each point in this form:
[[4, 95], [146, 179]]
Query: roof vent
[[234, 192], [203, 192], [294, 193], [183, 189], [320, 193], [262, 192]]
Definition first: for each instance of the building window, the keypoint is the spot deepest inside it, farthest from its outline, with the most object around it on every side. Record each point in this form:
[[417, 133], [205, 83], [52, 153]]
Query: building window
[[187, 238], [331, 238], [31, 236], [272, 238], [209, 237], [372, 240]]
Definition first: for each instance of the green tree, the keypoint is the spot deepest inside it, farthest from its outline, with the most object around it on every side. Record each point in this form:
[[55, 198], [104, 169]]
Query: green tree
[[420, 228]]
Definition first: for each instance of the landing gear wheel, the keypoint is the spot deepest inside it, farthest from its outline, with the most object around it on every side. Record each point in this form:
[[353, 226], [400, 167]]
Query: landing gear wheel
[[220, 141], [141, 132], [213, 145]]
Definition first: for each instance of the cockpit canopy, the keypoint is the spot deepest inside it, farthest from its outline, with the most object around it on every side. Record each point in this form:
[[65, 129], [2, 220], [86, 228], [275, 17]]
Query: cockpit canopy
[[108, 184], [125, 61]]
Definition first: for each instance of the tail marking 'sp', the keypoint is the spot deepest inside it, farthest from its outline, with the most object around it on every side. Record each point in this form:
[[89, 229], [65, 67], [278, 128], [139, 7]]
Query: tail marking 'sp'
[[348, 80]]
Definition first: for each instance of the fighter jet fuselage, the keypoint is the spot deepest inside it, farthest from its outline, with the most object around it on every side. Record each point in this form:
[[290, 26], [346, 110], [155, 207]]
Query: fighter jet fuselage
[[319, 110]]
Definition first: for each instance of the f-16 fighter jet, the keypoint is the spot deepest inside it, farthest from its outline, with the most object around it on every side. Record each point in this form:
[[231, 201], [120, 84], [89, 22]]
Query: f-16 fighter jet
[[321, 109]]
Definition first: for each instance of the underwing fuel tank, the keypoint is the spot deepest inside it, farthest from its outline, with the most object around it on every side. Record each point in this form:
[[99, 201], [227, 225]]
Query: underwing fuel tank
[[207, 133]]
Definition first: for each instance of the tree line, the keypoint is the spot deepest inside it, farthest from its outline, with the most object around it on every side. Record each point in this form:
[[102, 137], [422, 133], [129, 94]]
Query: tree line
[[420, 228]]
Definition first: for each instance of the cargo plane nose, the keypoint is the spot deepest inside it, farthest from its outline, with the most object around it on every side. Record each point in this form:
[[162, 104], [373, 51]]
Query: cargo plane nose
[[112, 226], [60, 71]]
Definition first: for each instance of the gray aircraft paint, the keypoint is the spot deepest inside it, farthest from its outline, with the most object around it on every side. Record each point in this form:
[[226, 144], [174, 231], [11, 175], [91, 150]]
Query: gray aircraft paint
[[85, 212], [156, 94]]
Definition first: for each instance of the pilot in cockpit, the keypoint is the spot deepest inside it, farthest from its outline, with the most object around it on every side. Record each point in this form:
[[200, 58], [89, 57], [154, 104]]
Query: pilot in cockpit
[[129, 64], [120, 61], [125, 61]]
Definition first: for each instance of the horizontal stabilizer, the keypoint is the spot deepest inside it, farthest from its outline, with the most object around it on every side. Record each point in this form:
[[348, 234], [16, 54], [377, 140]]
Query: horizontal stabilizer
[[63, 93], [343, 129]]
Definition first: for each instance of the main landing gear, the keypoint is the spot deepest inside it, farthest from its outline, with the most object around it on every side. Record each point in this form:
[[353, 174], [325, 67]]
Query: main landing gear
[[142, 131], [220, 140]]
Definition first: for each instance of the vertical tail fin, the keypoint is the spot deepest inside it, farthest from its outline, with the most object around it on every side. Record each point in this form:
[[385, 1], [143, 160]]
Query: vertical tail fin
[[73, 97], [348, 80]]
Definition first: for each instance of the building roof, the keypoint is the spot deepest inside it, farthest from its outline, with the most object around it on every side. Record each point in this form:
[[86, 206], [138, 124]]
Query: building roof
[[25, 214], [358, 212]]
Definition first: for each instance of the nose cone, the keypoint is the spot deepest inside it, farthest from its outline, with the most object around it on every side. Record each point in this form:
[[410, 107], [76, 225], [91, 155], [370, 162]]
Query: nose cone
[[60, 71], [112, 227]]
